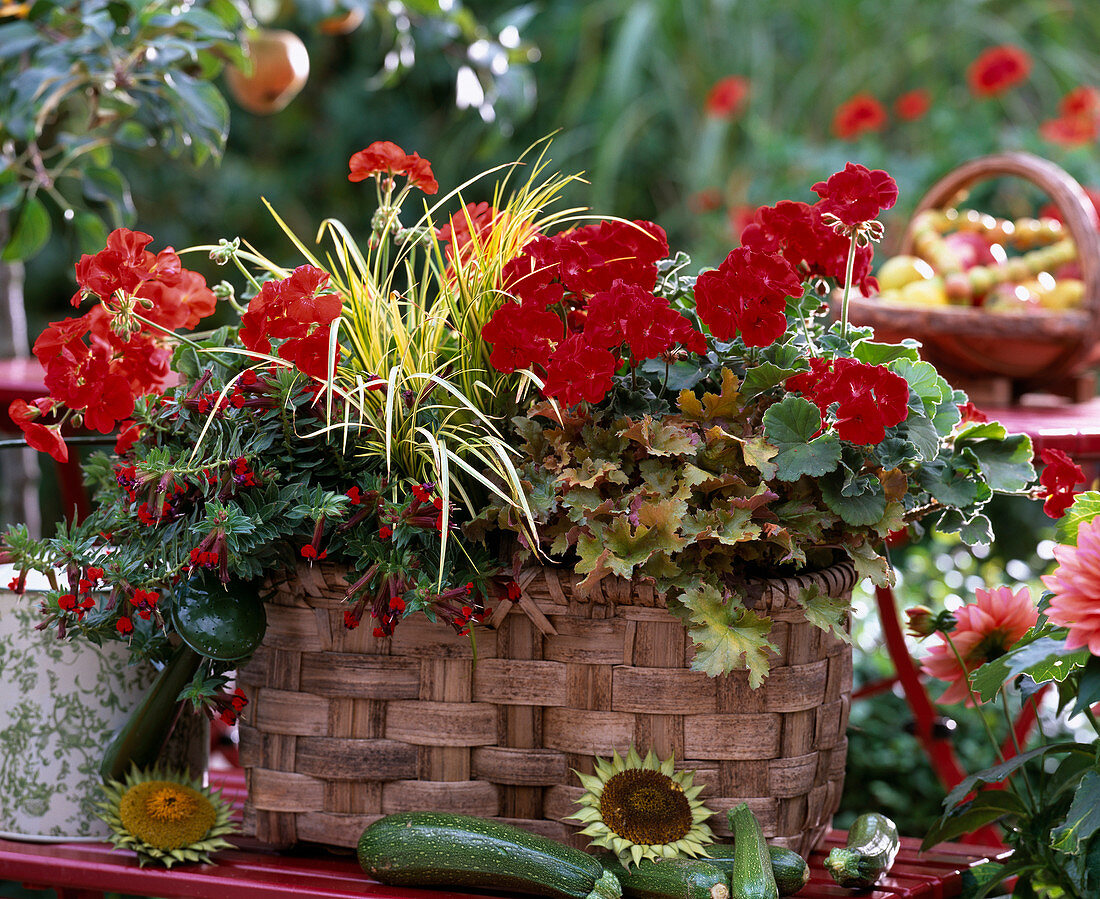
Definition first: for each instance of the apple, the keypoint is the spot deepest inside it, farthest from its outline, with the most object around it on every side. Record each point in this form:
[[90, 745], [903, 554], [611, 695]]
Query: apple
[[929, 292], [973, 249], [279, 69], [1067, 293], [1011, 298], [897, 271], [342, 23]]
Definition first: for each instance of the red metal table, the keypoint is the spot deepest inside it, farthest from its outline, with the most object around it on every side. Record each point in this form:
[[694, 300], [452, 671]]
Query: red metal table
[[86, 870]]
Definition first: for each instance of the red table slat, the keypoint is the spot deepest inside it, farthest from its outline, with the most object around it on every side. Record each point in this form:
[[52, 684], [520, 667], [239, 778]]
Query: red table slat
[[250, 871]]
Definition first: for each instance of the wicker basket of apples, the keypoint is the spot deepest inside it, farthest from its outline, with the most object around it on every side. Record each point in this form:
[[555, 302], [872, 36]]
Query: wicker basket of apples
[[986, 296]]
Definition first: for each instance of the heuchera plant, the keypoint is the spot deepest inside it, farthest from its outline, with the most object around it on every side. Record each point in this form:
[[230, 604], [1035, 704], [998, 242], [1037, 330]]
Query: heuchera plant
[[701, 431]]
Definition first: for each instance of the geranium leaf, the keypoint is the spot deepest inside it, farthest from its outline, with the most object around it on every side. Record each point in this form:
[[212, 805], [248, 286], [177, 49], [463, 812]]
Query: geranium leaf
[[1005, 463], [881, 353], [1086, 506], [860, 509], [948, 485], [1083, 817], [977, 530], [723, 405], [726, 635], [921, 435], [924, 381], [1043, 660], [789, 426], [764, 377], [829, 613]]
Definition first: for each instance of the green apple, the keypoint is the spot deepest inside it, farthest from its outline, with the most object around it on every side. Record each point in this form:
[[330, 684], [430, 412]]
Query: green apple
[[897, 271]]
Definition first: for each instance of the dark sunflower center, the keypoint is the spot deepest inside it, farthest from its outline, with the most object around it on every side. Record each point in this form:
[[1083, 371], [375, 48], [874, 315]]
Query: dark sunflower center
[[645, 807]]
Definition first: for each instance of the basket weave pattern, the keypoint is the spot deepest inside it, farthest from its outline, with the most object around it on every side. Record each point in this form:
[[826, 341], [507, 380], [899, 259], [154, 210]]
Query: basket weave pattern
[[344, 727]]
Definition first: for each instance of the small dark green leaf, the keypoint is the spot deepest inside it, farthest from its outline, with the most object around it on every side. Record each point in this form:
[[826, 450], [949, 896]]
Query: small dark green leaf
[[120, 13], [1088, 687], [986, 807], [91, 233], [859, 509], [30, 231], [11, 191]]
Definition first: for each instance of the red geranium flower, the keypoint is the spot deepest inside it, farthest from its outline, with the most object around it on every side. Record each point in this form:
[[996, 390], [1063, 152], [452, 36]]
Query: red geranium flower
[[856, 194], [44, 438], [747, 293], [727, 96], [868, 398], [579, 371], [521, 335], [1058, 479], [859, 115], [647, 324], [997, 69], [121, 265], [913, 105], [385, 157], [1081, 101]]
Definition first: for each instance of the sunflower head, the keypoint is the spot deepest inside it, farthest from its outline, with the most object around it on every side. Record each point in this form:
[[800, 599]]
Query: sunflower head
[[643, 808], [165, 817]]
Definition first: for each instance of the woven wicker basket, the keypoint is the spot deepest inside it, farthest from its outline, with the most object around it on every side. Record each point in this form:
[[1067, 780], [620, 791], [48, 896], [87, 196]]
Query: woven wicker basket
[[344, 727], [1036, 348]]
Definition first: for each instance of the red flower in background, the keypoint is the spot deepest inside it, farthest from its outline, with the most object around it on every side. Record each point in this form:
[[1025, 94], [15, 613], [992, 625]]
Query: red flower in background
[[727, 96], [997, 69], [747, 294], [913, 105], [1058, 479], [859, 115], [522, 335], [1078, 119], [1081, 101], [856, 194], [579, 371], [385, 157]]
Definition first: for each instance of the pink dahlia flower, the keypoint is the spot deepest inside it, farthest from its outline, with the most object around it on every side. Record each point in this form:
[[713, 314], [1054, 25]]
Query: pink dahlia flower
[[1076, 587], [985, 629]]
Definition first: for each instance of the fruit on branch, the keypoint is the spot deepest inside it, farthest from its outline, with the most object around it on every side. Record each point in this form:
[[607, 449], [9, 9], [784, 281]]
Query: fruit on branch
[[279, 69]]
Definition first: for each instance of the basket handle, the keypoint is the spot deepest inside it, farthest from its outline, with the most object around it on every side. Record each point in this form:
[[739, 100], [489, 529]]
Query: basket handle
[[1070, 198]]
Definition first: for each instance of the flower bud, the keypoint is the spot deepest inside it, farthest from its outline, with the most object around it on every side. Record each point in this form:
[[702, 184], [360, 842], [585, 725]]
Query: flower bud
[[226, 250]]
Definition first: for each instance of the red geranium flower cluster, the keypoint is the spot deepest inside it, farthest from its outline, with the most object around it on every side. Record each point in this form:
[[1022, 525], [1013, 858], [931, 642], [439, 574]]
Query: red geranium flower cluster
[[859, 115], [96, 365], [583, 295], [997, 69], [386, 158], [797, 232], [1058, 479], [1078, 120], [297, 311], [856, 194], [747, 294], [868, 398]]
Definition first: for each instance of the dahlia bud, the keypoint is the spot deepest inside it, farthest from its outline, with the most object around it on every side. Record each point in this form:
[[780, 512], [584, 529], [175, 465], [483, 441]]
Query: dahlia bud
[[923, 622]]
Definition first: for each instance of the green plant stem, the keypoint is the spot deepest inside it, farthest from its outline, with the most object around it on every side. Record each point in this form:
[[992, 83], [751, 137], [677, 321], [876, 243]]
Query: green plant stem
[[974, 698], [1092, 720], [847, 286], [1015, 742]]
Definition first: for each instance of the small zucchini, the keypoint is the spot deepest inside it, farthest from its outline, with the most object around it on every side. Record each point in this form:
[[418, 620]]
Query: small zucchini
[[669, 878], [436, 849], [873, 843], [788, 867], [752, 876]]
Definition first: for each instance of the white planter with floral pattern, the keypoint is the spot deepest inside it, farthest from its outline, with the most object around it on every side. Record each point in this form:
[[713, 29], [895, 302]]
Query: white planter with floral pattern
[[61, 702]]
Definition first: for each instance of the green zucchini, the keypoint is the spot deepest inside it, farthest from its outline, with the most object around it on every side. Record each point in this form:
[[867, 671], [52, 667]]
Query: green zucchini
[[752, 876], [436, 849], [669, 878], [788, 867], [873, 844]]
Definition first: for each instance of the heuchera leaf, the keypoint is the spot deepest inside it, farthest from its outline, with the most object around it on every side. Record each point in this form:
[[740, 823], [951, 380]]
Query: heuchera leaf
[[726, 635], [724, 405], [660, 438], [1043, 660], [760, 455], [826, 612], [1083, 817], [789, 426]]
